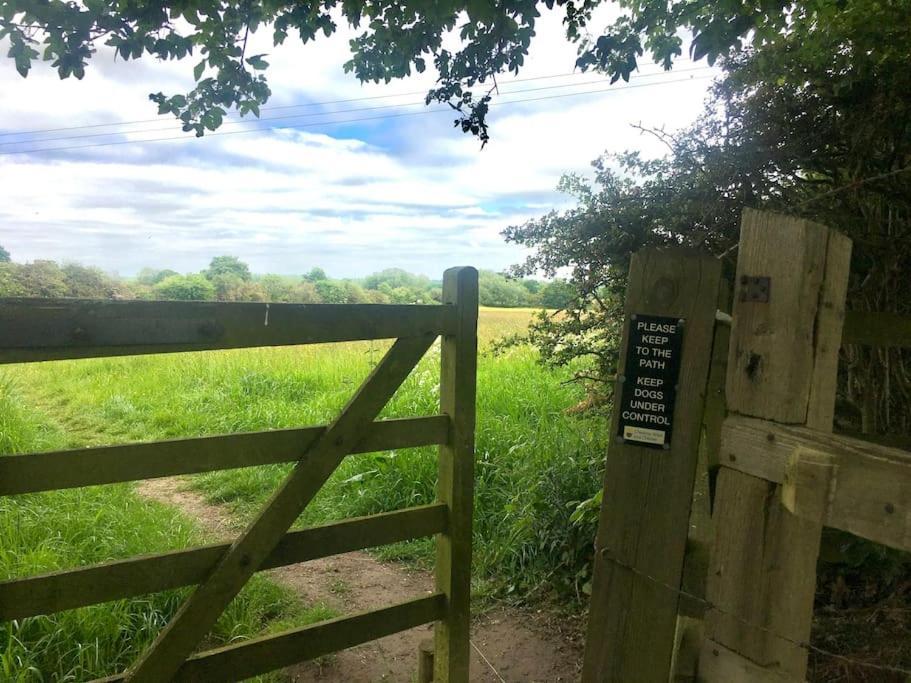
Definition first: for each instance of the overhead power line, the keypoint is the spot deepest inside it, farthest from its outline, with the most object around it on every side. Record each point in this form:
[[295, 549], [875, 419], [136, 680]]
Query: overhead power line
[[437, 110], [289, 117], [318, 104]]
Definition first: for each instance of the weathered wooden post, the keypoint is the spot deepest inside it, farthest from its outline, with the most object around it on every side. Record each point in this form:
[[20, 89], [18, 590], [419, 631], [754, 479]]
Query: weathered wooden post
[[690, 626], [788, 310], [458, 360], [425, 661], [651, 464]]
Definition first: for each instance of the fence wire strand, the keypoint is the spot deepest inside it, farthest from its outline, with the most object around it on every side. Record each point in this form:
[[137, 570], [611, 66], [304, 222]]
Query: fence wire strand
[[487, 662], [680, 592]]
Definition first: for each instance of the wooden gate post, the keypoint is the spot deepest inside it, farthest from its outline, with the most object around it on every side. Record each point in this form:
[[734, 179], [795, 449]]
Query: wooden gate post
[[648, 481], [690, 624], [455, 487], [788, 310]]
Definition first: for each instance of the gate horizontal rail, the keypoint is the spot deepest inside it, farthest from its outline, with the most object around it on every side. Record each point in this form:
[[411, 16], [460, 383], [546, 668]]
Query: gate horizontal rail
[[72, 588], [261, 655], [33, 472], [56, 329], [876, 329], [33, 330]]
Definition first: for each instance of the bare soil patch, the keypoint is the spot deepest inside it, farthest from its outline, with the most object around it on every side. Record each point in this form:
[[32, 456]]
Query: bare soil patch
[[519, 646]]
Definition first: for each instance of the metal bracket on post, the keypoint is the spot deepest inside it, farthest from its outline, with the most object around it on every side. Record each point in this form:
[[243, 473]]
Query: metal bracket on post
[[755, 288]]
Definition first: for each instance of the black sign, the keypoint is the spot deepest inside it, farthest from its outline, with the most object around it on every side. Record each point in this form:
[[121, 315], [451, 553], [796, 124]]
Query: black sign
[[649, 383]]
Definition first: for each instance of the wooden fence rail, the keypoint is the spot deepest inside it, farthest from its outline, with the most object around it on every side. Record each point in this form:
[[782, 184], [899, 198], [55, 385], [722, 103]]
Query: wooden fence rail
[[876, 329], [845, 483], [40, 330]]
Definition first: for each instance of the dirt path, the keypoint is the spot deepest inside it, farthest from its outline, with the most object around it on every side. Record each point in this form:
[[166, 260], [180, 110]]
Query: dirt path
[[521, 647]]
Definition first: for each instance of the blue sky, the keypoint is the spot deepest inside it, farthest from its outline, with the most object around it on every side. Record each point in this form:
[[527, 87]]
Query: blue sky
[[354, 198]]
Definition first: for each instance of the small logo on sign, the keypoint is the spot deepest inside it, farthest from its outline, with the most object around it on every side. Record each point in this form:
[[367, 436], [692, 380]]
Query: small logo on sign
[[643, 435]]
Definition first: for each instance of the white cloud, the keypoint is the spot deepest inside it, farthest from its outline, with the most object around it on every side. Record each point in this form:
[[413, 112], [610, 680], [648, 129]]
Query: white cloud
[[409, 191]]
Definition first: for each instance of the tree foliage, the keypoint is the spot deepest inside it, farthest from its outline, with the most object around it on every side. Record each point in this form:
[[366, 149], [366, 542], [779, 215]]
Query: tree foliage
[[4, 255], [38, 278], [468, 42], [814, 125], [89, 283], [152, 276], [557, 294], [185, 288], [227, 266], [495, 289], [229, 279], [315, 275]]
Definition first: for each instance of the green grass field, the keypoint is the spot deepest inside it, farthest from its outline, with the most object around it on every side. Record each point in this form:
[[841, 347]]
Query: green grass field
[[535, 464], [62, 529]]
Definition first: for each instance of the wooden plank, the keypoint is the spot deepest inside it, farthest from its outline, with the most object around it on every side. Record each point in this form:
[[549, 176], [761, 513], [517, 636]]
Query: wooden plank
[[699, 539], [455, 485], [715, 402], [900, 441], [690, 629], [425, 661], [771, 354], [829, 321], [53, 329], [197, 615], [877, 329], [746, 576], [68, 589], [782, 365], [129, 462], [687, 647], [870, 495], [808, 481], [250, 658], [648, 492]]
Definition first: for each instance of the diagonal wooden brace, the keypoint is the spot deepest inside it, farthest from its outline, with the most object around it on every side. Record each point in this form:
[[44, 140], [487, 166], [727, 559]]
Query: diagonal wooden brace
[[199, 613]]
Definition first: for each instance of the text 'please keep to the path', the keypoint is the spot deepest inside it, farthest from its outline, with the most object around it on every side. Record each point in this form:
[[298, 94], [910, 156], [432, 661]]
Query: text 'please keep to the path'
[[649, 381]]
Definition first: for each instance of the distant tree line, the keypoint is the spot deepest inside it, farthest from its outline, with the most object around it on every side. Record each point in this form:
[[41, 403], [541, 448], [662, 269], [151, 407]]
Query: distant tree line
[[229, 279]]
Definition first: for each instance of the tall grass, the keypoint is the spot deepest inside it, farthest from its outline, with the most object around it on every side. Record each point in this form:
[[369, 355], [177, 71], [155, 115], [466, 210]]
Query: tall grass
[[535, 463], [62, 529]]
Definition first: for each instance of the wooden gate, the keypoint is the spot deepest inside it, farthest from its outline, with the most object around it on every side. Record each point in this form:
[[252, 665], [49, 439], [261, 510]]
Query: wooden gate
[[781, 473], [39, 330]]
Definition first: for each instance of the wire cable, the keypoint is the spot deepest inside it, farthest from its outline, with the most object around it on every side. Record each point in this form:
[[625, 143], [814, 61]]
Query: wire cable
[[290, 116], [322, 103], [708, 605], [343, 121]]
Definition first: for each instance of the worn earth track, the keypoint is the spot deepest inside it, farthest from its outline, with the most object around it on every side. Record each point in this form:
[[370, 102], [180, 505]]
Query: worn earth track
[[520, 647]]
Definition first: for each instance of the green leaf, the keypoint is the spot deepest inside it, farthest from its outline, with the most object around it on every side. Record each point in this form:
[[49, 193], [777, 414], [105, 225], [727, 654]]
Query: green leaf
[[198, 69], [257, 62]]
